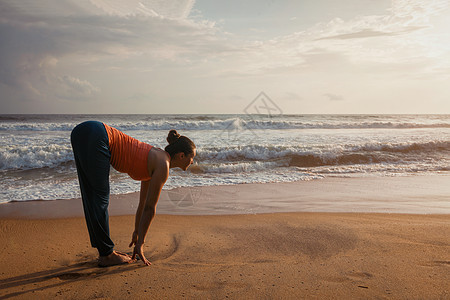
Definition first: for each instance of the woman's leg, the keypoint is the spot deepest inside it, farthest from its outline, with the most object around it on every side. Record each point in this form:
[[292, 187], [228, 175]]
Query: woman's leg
[[92, 157]]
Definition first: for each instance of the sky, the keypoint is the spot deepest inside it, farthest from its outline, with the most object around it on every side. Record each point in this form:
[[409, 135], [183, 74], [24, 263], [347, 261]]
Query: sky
[[211, 56]]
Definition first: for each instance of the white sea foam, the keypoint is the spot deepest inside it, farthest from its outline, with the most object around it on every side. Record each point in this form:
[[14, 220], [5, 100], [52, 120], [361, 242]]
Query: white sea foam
[[36, 159], [22, 156], [34, 156], [243, 122], [324, 152]]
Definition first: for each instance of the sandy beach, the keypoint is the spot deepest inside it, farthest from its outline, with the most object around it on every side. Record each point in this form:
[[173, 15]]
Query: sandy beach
[[263, 256], [45, 251]]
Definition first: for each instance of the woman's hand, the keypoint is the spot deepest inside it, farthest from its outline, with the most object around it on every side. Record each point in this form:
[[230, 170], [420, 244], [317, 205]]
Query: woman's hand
[[138, 250], [134, 239]]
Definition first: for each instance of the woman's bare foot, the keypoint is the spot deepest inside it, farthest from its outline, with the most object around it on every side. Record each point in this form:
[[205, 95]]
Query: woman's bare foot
[[113, 259], [122, 253]]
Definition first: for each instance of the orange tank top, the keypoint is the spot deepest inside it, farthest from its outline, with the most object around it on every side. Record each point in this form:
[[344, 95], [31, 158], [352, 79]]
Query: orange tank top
[[128, 155]]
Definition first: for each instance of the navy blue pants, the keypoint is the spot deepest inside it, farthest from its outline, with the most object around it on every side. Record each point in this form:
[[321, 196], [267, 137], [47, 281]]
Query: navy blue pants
[[90, 146]]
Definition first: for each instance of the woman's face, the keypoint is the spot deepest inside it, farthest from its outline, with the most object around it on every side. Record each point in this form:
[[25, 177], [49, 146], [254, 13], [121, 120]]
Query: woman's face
[[187, 160]]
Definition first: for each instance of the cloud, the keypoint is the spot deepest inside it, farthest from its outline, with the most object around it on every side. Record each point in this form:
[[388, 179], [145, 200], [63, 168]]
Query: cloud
[[37, 39], [386, 41], [175, 9], [333, 97], [75, 88], [417, 11], [368, 33], [84, 49]]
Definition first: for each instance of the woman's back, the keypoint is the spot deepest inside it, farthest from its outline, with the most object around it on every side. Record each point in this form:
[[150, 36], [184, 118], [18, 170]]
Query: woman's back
[[128, 155]]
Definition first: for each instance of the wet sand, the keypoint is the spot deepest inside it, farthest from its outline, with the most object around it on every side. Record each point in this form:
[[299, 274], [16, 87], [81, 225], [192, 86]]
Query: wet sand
[[413, 194]]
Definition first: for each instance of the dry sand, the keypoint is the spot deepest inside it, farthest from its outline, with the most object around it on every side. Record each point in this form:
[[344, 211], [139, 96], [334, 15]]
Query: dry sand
[[262, 256]]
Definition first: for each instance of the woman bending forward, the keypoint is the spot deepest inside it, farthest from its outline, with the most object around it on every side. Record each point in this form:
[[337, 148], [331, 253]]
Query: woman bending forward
[[96, 146]]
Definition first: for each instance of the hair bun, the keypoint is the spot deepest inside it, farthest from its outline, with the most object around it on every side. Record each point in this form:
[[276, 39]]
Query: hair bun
[[173, 136]]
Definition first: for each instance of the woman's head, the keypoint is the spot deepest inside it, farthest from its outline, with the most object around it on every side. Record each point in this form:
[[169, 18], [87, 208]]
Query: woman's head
[[181, 149]]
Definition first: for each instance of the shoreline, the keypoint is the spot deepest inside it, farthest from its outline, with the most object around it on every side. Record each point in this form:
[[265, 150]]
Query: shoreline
[[399, 195]]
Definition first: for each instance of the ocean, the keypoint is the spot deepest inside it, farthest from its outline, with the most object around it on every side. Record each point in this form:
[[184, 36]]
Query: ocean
[[36, 159]]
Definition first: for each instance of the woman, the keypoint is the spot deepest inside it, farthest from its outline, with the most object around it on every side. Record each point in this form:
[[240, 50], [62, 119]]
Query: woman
[[96, 146]]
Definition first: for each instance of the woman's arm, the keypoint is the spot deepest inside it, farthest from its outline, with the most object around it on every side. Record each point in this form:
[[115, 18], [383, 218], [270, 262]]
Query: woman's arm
[[154, 187], [142, 199]]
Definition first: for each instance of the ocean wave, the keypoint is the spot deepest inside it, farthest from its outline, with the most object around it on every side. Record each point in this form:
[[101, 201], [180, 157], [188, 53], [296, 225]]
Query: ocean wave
[[238, 167], [248, 157], [241, 157], [236, 123], [429, 147], [357, 153], [34, 157]]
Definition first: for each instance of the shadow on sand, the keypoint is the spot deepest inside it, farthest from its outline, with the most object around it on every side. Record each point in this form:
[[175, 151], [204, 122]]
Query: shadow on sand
[[75, 272]]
